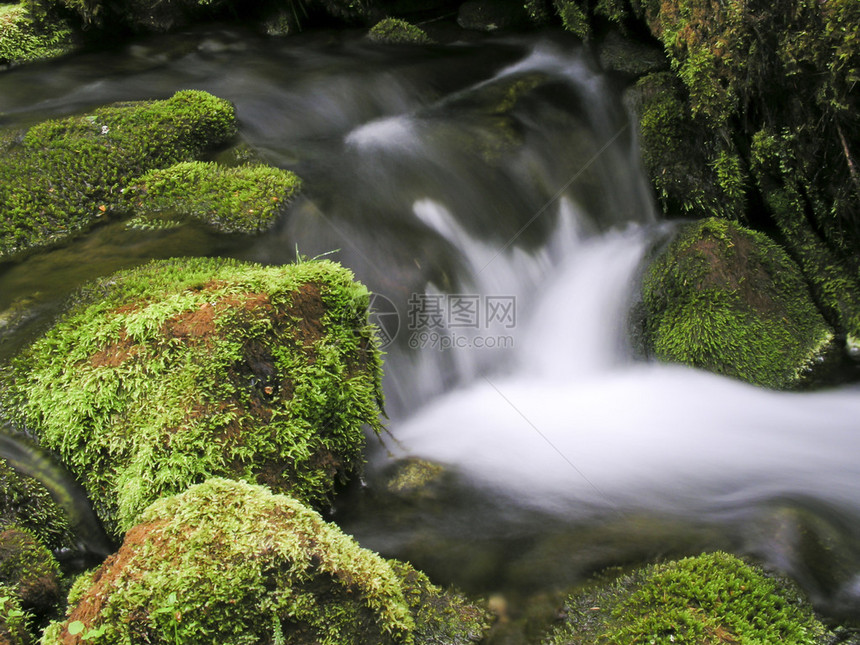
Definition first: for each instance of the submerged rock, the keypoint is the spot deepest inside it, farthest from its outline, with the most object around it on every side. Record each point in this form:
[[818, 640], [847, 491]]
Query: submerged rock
[[729, 300], [394, 31], [243, 199], [711, 598], [229, 562], [22, 40], [162, 376], [66, 174]]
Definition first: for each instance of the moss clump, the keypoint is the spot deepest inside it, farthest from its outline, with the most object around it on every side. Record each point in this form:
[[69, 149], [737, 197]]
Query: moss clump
[[23, 41], [394, 31], [28, 567], [244, 199], [574, 17], [228, 562], [711, 598], [27, 503], [13, 618], [691, 175], [163, 376], [68, 173], [835, 286], [730, 301]]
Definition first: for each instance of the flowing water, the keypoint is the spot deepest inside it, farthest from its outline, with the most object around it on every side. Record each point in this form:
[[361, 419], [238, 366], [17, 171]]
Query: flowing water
[[490, 195]]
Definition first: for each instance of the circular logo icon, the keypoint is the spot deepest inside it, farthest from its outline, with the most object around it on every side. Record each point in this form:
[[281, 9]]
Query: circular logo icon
[[385, 316]]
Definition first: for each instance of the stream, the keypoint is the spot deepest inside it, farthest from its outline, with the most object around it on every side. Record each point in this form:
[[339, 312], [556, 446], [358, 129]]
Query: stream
[[490, 196]]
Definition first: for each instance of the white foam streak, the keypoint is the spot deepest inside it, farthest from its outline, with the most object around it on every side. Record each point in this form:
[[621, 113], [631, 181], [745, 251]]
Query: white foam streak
[[646, 437]]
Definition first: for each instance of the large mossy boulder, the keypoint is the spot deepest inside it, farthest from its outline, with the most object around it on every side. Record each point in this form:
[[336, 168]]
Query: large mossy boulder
[[22, 40], [66, 174], [711, 598], [729, 300], [229, 562], [243, 199], [162, 376]]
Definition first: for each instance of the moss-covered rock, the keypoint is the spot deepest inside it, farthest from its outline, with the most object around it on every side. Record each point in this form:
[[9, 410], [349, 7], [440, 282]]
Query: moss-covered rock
[[228, 562], [66, 174], [243, 199], [27, 566], [626, 55], [26, 503], [394, 31], [22, 40], [163, 376], [13, 618], [729, 300], [712, 598]]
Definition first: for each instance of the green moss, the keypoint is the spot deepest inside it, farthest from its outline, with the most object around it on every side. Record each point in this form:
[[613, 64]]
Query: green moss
[[692, 176], [228, 562], [711, 598], [162, 376], [539, 11], [23, 41], [835, 286], [68, 173], [244, 199], [395, 31], [730, 301], [574, 17], [29, 567], [27, 503], [13, 618]]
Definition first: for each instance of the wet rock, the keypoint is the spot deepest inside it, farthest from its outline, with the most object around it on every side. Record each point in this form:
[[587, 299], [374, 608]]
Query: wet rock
[[620, 53], [487, 15], [161, 376], [232, 562], [728, 300]]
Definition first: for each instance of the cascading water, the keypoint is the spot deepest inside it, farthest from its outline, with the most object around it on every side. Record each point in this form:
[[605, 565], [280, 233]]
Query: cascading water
[[505, 175]]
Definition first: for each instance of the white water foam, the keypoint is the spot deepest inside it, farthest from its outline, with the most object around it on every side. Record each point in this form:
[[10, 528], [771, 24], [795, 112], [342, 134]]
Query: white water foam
[[578, 427]]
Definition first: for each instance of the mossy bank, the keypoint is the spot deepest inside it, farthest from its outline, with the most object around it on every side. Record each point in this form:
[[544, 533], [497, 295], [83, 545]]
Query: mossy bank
[[162, 376], [229, 562]]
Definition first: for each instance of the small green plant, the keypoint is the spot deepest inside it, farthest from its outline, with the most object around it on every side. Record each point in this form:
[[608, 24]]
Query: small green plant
[[76, 628]]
